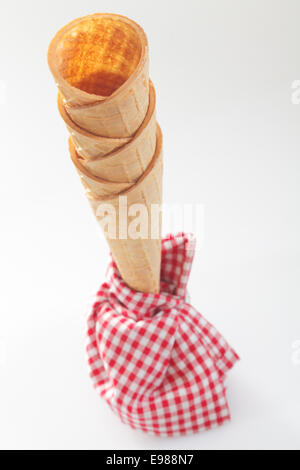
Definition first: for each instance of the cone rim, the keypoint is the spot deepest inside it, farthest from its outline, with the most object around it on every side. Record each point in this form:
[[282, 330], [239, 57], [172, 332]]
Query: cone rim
[[155, 160], [75, 159], [75, 127], [52, 63], [127, 140]]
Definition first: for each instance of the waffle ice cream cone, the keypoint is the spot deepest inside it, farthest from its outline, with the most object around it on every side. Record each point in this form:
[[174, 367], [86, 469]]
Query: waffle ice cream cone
[[100, 65], [138, 260]]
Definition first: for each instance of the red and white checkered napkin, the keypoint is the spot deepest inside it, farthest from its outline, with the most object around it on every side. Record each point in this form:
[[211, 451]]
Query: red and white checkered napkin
[[157, 362]]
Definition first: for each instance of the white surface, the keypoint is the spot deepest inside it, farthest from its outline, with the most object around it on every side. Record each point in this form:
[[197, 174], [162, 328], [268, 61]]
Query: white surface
[[223, 71]]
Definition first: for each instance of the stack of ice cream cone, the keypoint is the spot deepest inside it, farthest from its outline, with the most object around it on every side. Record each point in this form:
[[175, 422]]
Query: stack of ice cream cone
[[100, 64]]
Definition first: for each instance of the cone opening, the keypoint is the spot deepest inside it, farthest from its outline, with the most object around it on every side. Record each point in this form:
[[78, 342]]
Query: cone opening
[[98, 54]]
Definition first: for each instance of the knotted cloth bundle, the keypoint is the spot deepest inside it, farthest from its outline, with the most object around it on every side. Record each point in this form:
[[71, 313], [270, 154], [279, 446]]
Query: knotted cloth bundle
[[159, 363]]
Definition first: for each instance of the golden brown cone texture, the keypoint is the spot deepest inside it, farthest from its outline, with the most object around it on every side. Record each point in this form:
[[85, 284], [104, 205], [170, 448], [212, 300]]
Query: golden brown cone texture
[[100, 64], [89, 146], [138, 260], [129, 161]]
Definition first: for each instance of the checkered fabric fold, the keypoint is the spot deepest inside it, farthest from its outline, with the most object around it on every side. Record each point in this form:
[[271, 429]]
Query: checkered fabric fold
[[159, 363]]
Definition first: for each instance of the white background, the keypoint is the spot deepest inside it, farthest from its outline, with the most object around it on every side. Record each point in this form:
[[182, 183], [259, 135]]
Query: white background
[[223, 71]]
